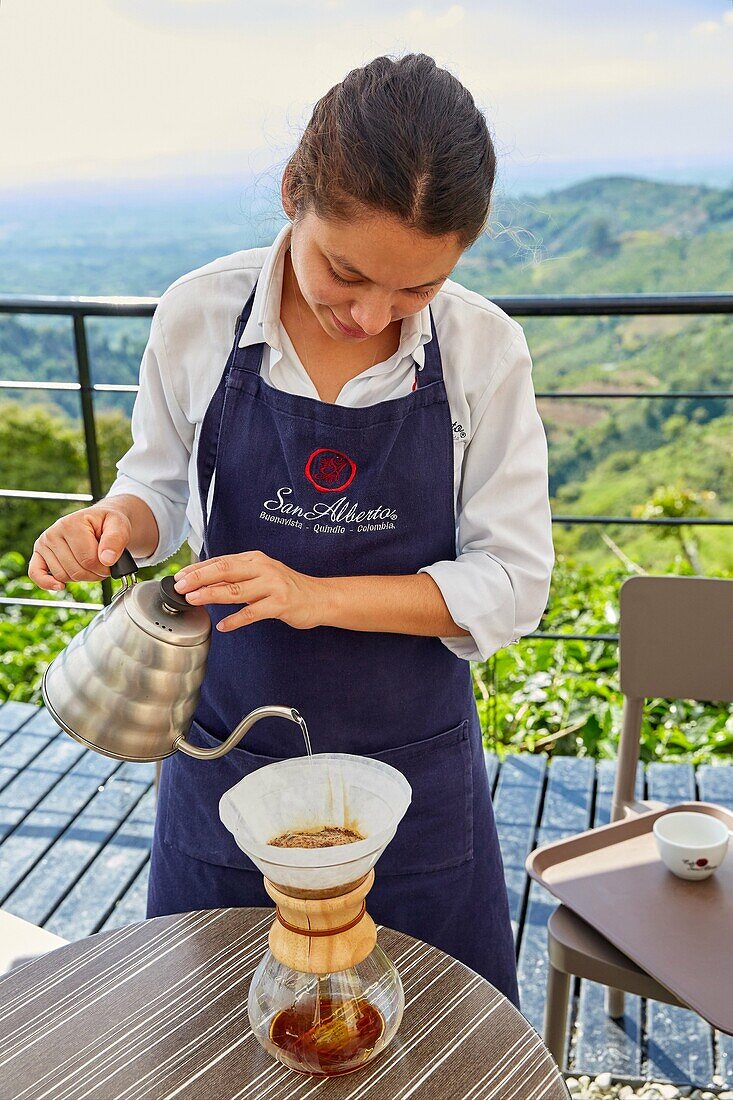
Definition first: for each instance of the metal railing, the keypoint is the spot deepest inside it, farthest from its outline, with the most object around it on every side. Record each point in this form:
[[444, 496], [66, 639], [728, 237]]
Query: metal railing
[[606, 305]]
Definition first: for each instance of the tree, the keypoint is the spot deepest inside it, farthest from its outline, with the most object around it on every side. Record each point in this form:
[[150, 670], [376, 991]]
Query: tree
[[600, 240], [675, 502], [42, 450]]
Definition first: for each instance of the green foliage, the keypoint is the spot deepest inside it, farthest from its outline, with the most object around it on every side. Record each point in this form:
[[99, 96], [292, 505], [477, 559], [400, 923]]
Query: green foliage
[[542, 695], [696, 463], [30, 637], [677, 502], [39, 450], [530, 239], [42, 449]]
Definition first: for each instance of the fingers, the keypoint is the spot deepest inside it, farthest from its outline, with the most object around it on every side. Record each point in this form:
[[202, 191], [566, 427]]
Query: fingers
[[54, 564], [74, 565], [231, 592], [230, 567], [80, 547], [269, 590], [116, 533], [40, 573], [69, 549], [252, 613]]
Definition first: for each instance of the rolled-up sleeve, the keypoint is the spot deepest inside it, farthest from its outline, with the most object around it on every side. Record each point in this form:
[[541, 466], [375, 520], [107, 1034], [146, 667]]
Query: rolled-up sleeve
[[497, 586], [155, 468]]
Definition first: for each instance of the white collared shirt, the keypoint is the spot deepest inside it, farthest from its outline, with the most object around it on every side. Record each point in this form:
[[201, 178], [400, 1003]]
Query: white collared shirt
[[497, 586]]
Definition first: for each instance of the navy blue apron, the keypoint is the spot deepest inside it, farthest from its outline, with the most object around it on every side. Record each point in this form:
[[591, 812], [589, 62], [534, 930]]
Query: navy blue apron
[[337, 491]]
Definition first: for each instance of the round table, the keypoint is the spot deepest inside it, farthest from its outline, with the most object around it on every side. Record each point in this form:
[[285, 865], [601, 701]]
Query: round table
[[159, 1009]]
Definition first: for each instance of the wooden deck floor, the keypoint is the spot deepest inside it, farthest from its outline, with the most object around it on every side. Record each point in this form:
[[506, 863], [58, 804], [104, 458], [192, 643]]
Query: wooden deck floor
[[75, 834]]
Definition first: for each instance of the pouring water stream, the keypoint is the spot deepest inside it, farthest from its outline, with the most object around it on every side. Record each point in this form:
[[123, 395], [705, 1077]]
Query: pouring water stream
[[304, 730]]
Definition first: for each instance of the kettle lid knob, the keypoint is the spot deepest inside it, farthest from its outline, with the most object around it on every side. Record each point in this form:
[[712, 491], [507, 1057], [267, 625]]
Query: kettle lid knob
[[165, 614], [172, 601]]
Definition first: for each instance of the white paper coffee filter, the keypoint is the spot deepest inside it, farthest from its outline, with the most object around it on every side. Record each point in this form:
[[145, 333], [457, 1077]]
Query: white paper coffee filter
[[355, 792]]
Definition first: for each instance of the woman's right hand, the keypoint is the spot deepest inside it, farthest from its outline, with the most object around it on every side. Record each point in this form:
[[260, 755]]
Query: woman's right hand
[[80, 547]]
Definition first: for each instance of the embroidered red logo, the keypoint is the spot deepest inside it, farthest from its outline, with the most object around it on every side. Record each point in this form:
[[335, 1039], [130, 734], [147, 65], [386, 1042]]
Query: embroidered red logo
[[330, 471]]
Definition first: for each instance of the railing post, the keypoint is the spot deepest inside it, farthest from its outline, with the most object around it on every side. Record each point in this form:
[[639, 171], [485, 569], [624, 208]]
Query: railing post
[[90, 431]]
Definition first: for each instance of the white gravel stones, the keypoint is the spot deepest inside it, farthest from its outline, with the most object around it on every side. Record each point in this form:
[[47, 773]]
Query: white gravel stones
[[603, 1087]]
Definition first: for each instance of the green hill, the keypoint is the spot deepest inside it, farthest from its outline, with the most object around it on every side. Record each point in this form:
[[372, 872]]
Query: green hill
[[600, 214]]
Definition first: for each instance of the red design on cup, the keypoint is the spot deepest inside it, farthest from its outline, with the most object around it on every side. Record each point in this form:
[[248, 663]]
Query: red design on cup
[[701, 863], [330, 471]]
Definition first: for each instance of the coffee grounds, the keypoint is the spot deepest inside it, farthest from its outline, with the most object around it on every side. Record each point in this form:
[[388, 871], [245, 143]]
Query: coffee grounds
[[328, 836]]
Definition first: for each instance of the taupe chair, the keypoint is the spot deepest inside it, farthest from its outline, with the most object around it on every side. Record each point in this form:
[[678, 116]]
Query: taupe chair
[[676, 642]]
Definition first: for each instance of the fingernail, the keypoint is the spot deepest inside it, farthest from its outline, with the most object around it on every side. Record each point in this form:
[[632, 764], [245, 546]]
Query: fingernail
[[108, 557], [180, 586]]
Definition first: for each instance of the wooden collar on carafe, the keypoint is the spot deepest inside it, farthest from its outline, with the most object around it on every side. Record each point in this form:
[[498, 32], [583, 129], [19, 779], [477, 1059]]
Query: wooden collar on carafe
[[322, 935]]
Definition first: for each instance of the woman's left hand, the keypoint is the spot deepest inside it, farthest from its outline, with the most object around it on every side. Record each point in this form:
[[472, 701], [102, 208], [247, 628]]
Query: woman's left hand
[[269, 590]]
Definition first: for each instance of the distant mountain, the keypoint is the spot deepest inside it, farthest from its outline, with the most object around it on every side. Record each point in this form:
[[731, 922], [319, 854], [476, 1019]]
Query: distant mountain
[[600, 216], [138, 239]]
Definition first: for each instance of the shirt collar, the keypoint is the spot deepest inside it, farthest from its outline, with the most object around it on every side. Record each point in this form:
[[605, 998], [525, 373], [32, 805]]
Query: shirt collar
[[263, 324]]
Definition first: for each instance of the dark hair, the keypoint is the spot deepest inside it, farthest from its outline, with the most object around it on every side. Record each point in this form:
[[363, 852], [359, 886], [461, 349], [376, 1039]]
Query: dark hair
[[399, 136]]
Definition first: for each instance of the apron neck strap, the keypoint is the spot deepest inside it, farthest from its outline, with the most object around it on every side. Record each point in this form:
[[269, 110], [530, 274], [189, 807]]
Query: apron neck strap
[[248, 358], [432, 370]]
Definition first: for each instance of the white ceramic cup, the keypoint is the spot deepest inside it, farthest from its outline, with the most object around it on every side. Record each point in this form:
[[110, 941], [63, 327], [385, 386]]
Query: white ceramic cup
[[692, 844]]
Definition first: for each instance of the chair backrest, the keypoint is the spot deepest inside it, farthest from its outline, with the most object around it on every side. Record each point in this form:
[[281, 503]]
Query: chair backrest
[[675, 642], [676, 638]]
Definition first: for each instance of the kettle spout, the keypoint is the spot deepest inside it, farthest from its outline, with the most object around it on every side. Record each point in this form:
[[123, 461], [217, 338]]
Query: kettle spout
[[237, 734]]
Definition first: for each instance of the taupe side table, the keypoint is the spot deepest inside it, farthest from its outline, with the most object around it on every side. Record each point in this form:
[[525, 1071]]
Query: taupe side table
[[159, 1010]]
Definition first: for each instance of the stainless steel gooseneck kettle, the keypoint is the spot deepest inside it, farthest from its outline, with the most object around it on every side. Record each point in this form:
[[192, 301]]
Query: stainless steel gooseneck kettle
[[127, 685]]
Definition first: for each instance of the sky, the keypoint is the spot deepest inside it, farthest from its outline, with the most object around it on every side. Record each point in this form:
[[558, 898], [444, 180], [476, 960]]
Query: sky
[[118, 90]]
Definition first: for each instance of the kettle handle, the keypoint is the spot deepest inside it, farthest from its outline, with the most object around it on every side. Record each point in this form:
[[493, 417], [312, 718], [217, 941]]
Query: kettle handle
[[124, 566], [237, 734]]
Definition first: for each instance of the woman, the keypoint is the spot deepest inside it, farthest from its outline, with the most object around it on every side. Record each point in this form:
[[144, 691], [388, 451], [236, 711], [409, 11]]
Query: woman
[[362, 474]]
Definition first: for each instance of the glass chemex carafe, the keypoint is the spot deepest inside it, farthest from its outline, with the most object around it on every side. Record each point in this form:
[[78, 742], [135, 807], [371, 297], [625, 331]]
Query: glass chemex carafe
[[325, 999]]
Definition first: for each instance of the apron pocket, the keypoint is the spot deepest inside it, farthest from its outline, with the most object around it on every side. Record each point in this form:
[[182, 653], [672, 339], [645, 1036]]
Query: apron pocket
[[435, 833], [437, 830], [190, 790]]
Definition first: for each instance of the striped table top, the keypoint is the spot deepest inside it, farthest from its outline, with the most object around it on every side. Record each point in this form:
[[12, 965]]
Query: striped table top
[[159, 1009]]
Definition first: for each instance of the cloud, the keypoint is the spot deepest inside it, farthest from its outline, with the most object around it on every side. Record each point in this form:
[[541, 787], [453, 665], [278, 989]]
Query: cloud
[[129, 87], [709, 26], [441, 21], [713, 26]]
